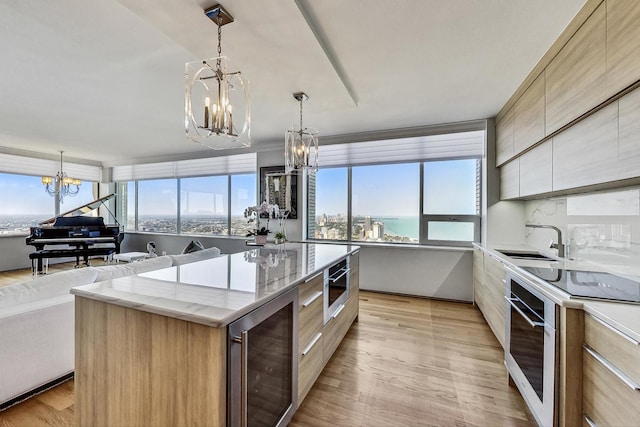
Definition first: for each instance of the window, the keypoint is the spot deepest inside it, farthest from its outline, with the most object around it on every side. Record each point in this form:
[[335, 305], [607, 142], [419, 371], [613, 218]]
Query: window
[[158, 206], [25, 203], [204, 205], [385, 203], [331, 205], [451, 201], [417, 190], [243, 195], [210, 205]]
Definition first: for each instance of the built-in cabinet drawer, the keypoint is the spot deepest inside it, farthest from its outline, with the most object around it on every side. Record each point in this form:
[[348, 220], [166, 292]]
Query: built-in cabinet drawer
[[310, 333], [611, 369], [617, 347]]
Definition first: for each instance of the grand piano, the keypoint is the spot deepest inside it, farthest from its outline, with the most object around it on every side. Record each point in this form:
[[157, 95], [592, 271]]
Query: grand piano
[[83, 236]]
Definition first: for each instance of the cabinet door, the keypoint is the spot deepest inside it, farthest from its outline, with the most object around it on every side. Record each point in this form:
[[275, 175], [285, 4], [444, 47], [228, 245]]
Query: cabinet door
[[623, 41], [629, 138], [576, 77], [510, 180], [478, 274], [529, 116], [587, 153], [495, 288], [536, 170], [504, 138]]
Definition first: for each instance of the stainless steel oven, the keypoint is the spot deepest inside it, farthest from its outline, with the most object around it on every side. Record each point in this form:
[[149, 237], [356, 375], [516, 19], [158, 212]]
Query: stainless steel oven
[[262, 364], [336, 288], [531, 342]]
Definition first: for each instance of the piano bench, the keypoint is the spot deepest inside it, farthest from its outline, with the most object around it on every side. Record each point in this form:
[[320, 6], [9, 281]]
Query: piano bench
[[45, 254]]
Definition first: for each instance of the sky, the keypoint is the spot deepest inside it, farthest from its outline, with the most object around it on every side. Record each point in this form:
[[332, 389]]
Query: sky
[[25, 195], [393, 190]]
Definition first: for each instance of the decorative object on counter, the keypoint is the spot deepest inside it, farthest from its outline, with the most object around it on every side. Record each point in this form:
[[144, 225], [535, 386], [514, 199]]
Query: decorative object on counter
[[301, 145], [279, 188], [262, 211], [217, 105], [280, 237], [63, 185]]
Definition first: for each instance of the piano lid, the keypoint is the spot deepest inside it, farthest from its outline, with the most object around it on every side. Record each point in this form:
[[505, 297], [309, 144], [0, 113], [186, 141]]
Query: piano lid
[[81, 210]]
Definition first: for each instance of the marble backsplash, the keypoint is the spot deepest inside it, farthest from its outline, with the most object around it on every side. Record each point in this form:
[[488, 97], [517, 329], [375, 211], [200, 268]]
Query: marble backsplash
[[602, 227]]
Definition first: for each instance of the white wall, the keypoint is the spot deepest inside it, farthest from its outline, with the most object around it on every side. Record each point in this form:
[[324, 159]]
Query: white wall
[[429, 272]]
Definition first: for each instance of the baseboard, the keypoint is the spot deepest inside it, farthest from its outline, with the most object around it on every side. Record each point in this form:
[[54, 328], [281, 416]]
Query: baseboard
[[37, 390]]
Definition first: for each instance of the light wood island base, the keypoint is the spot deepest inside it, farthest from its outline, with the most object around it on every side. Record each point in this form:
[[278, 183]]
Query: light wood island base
[[165, 371]]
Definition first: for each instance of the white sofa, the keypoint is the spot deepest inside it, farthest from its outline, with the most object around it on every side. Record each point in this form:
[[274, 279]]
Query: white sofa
[[37, 324]]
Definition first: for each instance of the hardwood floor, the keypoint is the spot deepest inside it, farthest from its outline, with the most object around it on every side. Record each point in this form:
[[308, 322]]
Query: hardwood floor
[[407, 362]]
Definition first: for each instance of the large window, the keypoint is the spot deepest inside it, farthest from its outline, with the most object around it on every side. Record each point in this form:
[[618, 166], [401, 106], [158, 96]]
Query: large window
[[210, 205], [418, 190], [25, 203]]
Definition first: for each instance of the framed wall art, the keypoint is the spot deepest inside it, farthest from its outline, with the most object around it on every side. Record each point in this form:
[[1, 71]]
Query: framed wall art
[[279, 188]]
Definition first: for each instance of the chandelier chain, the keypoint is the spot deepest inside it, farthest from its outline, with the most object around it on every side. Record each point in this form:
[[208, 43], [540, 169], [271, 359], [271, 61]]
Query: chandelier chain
[[301, 98], [219, 38]]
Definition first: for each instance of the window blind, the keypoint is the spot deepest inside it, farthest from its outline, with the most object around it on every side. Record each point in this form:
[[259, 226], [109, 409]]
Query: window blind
[[224, 165], [22, 165], [449, 146]]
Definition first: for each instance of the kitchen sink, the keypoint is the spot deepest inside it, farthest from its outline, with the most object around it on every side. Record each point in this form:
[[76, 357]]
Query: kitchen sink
[[527, 255]]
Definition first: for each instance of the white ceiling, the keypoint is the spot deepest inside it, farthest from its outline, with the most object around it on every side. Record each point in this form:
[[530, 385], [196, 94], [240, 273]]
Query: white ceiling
[[104, 80]]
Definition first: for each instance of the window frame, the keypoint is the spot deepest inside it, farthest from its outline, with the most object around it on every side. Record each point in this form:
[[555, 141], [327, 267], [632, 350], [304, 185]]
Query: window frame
[[179, 231], [423, 218]]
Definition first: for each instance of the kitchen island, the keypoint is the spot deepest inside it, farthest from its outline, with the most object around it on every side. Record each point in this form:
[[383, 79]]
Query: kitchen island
[[153, 349]]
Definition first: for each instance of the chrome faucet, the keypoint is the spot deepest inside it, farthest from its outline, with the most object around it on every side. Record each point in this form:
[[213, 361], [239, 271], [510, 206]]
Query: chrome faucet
[[559, 246]]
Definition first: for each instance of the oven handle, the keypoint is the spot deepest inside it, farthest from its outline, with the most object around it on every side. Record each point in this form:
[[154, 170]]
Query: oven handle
[[533, 324], [335, 279]]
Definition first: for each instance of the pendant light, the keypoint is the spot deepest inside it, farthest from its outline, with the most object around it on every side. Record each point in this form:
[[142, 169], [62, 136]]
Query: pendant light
[[61, 185], [217, 104], [301, 145]]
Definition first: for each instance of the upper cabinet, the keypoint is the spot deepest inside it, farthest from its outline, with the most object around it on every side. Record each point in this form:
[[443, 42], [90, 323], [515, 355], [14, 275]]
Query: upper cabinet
[[575, 123], [504, 138], [576, 77], [587, 153], [529, 120], [623, 44]]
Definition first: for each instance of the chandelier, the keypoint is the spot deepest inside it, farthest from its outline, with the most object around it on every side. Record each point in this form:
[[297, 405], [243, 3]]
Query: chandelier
[[61, 185], [217, 105], [301, 145]]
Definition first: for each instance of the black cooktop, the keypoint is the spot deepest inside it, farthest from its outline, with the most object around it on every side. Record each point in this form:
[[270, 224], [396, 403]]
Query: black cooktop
[[590, 284]]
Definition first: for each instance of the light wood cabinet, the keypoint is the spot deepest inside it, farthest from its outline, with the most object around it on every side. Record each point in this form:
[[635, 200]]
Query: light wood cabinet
[[610, 369], [478, 278], [587, 153], [318, 341], [489, 292], [310, 334], [623, 44], [510, 180], [529, 119], [504, 138], [576, 77], [629, 136], [536, 170]]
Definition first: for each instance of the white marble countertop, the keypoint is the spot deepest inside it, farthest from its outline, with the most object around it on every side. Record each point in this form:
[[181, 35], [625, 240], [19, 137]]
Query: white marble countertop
[[217, 291], [623, 316]]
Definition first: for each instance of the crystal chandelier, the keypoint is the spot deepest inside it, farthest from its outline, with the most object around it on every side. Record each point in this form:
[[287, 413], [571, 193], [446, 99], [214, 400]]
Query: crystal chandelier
[[61, 185], [301, 145], [217, 105]]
